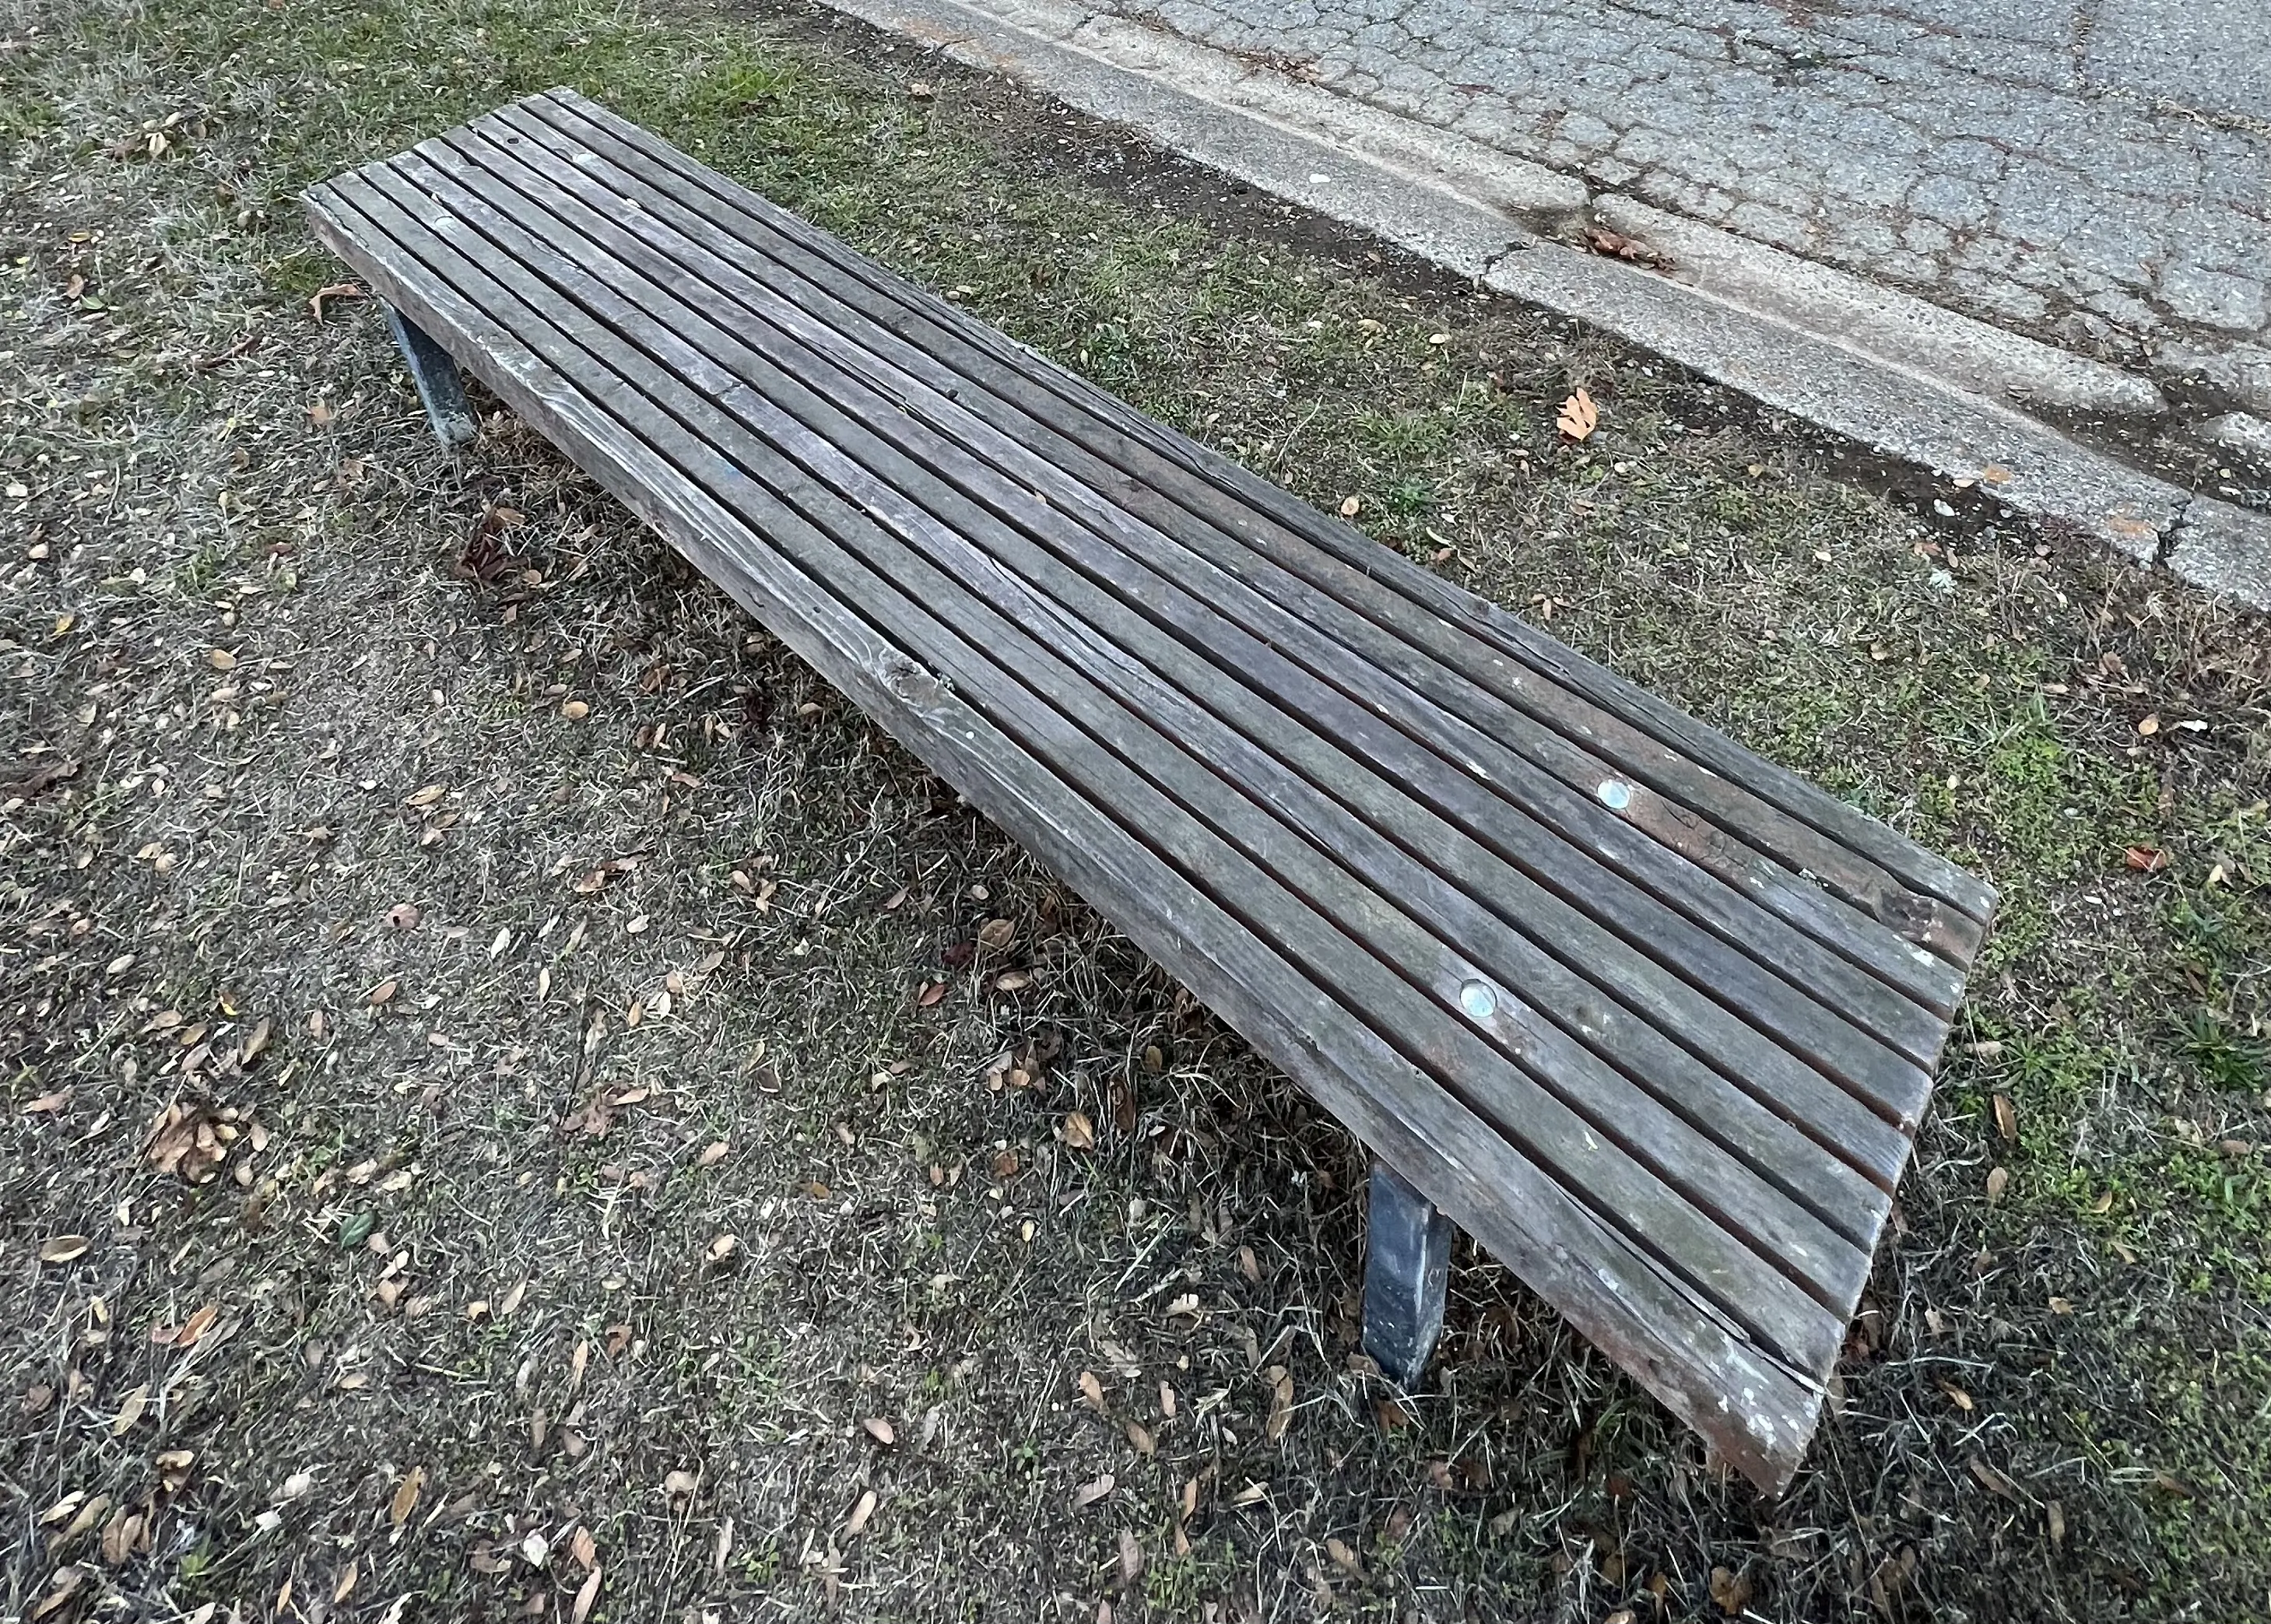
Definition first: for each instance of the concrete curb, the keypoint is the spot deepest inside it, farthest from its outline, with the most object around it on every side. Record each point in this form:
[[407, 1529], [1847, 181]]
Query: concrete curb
[[1798, 337]]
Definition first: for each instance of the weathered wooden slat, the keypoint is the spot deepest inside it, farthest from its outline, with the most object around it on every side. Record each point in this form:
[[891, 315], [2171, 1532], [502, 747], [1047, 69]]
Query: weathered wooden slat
[[1293, 636], [1311, 749], [1776, 790], [1143, 491], [1448, 691], [1015, 590], [1761, 1411], [1020, 677]]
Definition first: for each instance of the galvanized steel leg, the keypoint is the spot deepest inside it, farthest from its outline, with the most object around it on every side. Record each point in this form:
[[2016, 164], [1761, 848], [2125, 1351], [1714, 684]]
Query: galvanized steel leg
[[1407, 1268], [439, 386]]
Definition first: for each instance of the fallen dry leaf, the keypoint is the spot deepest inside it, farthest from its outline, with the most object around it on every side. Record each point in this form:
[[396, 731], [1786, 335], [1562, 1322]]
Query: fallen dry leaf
[[188, 1138], [858, 1521], [1079, 1132], [1730, 1589], [1992, 1480], [1578, 416], [1091, 1390], [118, 1538], [406, 1496], [129, 1409], [1618, 246], [1088, 1494], [67, 1582], [1281, 1403], [880, 1430], [63, 1248], [336, 290]]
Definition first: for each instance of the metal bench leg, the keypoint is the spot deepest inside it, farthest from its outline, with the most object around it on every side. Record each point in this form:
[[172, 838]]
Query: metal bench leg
[[1407, 1268], [440, 388]]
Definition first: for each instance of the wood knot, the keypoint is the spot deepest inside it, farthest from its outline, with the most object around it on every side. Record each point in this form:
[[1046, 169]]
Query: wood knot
[[1905, 912], [908, 681]]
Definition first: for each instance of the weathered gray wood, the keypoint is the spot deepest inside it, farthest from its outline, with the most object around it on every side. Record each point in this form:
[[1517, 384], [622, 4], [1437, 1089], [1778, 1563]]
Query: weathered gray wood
[[1895, 1085], [1034, 588], [1564, 973], [1432, 695], [995, 600], [1759, 1411], [1684, 739], [1129, 764]]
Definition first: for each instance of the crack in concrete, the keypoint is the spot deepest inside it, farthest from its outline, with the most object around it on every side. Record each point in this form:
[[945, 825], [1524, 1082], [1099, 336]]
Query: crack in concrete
[[1415, 192], [2136, 227]]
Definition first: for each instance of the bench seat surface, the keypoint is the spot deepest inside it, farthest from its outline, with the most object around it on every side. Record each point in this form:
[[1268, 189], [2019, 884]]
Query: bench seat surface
[[1651, 1018]]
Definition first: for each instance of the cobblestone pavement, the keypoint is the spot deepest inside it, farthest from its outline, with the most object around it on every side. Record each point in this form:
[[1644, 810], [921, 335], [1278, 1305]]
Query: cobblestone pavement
[[2095, 172]]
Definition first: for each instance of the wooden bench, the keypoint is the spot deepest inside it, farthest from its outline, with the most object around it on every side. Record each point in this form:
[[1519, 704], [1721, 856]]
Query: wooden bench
[[1654, 1020]]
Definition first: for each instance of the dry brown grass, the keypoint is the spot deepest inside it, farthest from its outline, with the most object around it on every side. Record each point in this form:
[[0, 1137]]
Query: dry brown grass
[[468, 1287]]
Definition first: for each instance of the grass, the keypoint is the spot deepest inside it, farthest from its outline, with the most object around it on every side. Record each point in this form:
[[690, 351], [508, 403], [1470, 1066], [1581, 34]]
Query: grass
[[533, 1330]]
